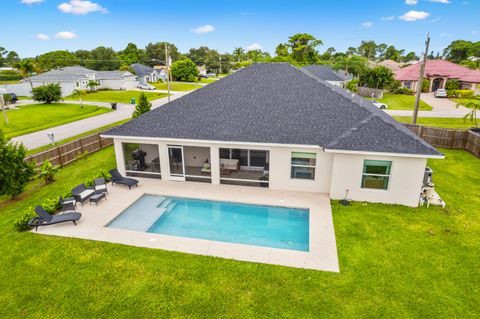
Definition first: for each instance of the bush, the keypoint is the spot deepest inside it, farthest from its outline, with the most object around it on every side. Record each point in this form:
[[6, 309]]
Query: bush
[[51, 205], [352, 85], [47, 93], [403, 90], [425, 86], [100, 173], [377, 78], [184, 70], [48, 171], [460, 94], [452, 84], [142, 107], [21, 224]]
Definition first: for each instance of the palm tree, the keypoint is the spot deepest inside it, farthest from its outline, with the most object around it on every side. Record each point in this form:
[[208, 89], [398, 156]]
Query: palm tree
[[92, 84], [80, 94], [474, 104], [26, 68], [238, 53]]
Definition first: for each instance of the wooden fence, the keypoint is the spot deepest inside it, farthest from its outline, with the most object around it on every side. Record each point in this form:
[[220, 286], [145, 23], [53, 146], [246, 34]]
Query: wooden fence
[[69, 152], [448, 138], [370, 92]]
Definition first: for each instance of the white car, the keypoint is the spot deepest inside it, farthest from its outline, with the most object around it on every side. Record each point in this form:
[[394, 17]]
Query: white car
[[146, 87], [441, 93], [381, 106]]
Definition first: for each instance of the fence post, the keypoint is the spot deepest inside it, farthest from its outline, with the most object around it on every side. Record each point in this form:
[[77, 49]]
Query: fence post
[[100, 141], [81, 144], [59, 155]]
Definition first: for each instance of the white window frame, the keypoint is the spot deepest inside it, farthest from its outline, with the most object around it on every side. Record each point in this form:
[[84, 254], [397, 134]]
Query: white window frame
[[389, 176], [303, 165]]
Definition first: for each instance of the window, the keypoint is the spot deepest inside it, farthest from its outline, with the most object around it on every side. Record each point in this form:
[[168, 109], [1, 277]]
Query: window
[[376, 174], [303, 165]]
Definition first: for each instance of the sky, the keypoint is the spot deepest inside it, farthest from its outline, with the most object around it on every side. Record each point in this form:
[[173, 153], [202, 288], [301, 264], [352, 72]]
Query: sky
[[32, 27]]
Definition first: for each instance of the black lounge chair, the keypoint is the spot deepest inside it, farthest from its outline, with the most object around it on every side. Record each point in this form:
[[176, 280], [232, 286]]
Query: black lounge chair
[[82, 193], [68, 203], [117, 178], [45, 219], [100, 185]]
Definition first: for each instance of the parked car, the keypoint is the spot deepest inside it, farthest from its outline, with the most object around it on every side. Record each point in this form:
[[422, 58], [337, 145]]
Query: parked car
[[208, 75], [381, 106], [146, 87], [441, 93]]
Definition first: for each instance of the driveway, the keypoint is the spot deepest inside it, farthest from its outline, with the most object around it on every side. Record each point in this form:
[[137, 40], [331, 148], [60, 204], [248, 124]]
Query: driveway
[[440, 108], [124, 111]]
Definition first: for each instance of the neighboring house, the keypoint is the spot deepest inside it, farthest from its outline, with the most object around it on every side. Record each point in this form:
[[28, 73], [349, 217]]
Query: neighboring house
[[161, 71], [328, 74], [202, 69], [76, 77], [390, 64], [277, 126], [144, 73], [438, 72]]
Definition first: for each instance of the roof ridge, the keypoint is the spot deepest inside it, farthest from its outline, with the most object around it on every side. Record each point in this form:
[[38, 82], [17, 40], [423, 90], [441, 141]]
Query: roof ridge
[[351, 130]]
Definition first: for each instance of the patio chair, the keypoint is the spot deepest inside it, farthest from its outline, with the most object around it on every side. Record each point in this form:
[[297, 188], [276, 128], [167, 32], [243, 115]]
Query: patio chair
[[100, 185], [117, 178], [82, 193], [45, 219], [68, 203]]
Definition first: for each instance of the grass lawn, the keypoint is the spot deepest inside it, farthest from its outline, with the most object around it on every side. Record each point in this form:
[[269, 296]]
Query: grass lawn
[[395, 262], [438, 122], [10, 82], [209, 80], [64, 141], [35, 117], [117, 96], [463, 101], [402, 102], [176, 86]]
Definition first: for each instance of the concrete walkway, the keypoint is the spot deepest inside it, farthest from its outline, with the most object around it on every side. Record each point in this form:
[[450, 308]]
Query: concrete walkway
[[124, 111], [441, 107]]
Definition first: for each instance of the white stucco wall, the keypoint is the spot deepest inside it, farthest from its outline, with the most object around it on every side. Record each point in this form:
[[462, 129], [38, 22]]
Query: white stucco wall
[[119, 84], [404, 186]]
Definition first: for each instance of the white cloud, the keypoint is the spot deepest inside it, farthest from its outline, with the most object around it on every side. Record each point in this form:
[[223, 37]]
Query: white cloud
[[367, 24], [203, 29], [81, 7], [389, 18], [413, 15], [42, 37], [474, 32], [253, 46], [32, 1], [440, 1], [65, 35], [411, 2]]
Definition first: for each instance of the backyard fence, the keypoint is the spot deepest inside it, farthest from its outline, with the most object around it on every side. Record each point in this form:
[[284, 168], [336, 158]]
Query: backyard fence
[[370, 92], [69, 152], [448, 138]]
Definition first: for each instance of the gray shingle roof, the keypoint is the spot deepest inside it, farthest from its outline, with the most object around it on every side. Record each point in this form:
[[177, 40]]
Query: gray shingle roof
[[277, 103], [141, 69], [326, 73], [76, 73]]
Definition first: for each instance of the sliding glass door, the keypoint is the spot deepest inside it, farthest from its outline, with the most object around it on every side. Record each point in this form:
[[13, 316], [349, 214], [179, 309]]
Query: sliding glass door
[[177, 163]]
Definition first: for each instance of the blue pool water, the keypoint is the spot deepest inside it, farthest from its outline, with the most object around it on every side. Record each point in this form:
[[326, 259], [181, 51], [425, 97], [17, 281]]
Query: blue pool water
[[270, 226]]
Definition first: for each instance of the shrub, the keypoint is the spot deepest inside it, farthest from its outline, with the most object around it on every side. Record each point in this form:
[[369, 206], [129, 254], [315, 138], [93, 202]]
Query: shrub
[[21, 223], [425, 86], [142, 107], [463, 94], [352, 85], [184, 70], [452, 84], [100, 173], [51, 205], [47, 93], [377, 78], [48, 171], [403, 90]]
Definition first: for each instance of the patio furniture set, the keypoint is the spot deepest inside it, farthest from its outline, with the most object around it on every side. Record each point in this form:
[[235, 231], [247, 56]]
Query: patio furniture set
[[80, 193]]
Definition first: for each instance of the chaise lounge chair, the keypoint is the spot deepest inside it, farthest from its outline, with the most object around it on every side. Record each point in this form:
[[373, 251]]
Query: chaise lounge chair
[[45, 219], [100, 185], [82, 193], [117, 178]]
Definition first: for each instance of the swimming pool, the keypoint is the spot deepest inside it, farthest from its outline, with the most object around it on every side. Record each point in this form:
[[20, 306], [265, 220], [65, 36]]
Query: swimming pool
[[268, 226]]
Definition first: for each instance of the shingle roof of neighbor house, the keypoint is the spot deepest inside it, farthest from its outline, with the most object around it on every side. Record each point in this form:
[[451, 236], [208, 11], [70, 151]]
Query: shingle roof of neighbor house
[[326, 73], [141, 69], [440, 68], [76, 73], [277, 103]]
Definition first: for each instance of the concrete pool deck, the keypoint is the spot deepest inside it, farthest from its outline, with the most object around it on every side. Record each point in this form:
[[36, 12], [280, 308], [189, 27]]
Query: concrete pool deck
[[323, 250]]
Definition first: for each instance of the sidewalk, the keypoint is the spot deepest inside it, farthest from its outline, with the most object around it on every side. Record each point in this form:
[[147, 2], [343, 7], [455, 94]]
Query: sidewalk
[[124, 111]]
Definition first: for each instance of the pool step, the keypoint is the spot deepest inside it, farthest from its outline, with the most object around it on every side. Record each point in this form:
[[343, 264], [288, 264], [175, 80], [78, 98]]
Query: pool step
[[164, 203], [160, 202], [170, 206]]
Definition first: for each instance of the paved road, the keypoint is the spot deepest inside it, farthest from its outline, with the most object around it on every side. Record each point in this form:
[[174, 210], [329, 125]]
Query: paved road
[[440, 108], [124, 111]]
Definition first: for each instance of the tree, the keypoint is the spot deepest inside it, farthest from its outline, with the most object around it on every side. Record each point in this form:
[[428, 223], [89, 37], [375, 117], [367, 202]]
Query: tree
[[132, 54], [56, 59], [351, 51], [328, 54], [303, 48], [239, 54], [92, 84], [257, 56], [80, 94], [474, 104], [12, 58], [15, 172], [391, 53], [382, 49], [142, 107], [199, 56], [282, 50], [379, 77], [3, 52], [47, 93], [368, 49], [26, 68], [410, 56], [352, 64], [184, 70], [47, 171], [103, 59], [155, 52], [83, 56], [458, 50]]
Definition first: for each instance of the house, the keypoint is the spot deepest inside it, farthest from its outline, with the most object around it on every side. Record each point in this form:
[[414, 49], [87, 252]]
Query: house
[[161, 71], [202, 69], [277, 126], [391, 65], [438, 72], [144, 73], [328, 74], [77, 77]]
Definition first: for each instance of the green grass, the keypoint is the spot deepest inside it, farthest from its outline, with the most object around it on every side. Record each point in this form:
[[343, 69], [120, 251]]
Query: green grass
[[457, 123], [22, 98], [64, 141], [464, 101], [10, 82], [402, 102], [210, 80], [117, 96], [35, 117], [176, 86], [395, 262]]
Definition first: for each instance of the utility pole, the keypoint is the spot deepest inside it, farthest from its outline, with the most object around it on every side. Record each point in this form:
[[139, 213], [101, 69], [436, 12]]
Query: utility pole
[[2, 104], [420, 80], [167, 63]]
